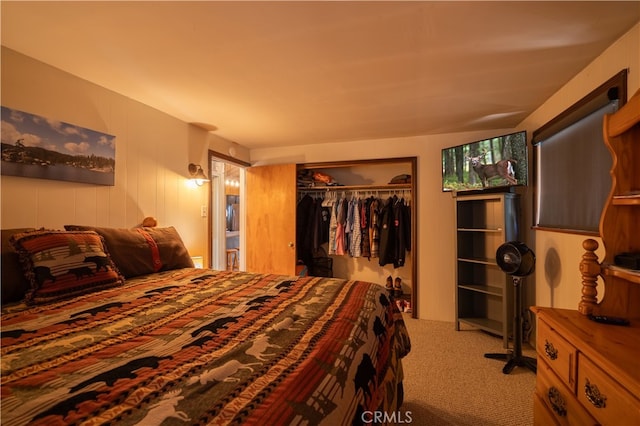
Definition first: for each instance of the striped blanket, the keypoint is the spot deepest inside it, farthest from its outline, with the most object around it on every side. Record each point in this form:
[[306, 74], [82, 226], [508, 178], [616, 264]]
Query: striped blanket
[[197, 346]]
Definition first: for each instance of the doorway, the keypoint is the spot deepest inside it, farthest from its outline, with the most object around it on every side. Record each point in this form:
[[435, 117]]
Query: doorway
[[226, 237]]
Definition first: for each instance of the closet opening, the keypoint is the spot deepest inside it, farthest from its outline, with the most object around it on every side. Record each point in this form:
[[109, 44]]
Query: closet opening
[[359, 217]]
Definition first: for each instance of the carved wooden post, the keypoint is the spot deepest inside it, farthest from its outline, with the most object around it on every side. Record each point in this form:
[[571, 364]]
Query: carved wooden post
[[590, 270]]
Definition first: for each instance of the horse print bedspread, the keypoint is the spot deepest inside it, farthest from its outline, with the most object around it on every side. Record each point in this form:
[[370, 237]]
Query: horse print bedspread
[[197, 346]]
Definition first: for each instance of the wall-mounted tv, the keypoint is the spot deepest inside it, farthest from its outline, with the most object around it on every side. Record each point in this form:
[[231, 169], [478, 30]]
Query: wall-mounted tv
[[496, 163]]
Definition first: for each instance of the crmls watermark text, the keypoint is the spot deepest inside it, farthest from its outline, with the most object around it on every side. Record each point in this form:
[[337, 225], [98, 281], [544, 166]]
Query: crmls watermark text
[[382, 417]]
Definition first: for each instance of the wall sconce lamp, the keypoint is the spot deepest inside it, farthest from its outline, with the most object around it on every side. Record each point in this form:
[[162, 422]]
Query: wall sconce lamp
[[197, 174]]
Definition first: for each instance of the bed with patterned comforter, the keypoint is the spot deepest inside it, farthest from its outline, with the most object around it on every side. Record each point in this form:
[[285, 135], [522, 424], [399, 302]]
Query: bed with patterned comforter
[[198, 346]]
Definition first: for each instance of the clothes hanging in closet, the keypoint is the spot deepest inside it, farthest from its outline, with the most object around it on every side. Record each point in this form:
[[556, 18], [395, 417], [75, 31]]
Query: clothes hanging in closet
[[395, 222], [312, 228], [357, 227]]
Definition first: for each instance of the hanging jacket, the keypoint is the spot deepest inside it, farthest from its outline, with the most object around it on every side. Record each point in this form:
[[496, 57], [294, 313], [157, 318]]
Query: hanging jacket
[[399, 223], [304, 229], [387, 234]]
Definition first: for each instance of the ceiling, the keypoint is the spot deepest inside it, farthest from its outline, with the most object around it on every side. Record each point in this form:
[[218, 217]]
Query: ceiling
[[266, 74]]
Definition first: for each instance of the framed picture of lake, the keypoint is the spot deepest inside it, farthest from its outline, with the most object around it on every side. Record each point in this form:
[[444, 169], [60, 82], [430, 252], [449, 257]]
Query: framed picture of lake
[[44, 148]]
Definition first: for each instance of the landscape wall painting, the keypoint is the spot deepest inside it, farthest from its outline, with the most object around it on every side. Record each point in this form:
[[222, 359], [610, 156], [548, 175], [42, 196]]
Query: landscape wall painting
[[43, 148]]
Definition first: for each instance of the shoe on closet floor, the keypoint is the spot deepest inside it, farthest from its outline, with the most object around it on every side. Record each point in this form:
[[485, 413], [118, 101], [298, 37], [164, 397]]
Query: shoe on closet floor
[[397, 287], [389, 285]]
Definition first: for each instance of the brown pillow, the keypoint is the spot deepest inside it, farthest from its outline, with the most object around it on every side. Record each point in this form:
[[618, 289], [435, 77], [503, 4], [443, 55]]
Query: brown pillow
[[14, 283], [140, 251], [64, 264]]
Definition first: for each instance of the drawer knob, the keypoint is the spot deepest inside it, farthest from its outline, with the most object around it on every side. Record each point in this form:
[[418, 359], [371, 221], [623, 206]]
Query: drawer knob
[[550, 350], [557, 402], [594, 396]]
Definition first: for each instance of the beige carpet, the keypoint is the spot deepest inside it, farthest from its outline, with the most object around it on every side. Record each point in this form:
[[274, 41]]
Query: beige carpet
[[448, 381]]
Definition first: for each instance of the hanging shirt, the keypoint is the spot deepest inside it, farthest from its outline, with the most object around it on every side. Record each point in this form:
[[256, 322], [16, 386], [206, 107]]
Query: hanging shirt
[[348, 229], [364, 226], [340, 227], [374, 228], [356, 231]]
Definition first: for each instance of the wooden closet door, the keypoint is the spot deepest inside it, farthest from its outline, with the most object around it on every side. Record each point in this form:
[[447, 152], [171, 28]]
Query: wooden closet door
[[271, 219]]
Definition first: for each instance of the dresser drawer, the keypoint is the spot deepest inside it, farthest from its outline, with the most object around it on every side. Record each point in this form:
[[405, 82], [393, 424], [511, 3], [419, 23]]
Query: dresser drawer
[[603, 397], [541, 414], [560, 401], [558, 353]]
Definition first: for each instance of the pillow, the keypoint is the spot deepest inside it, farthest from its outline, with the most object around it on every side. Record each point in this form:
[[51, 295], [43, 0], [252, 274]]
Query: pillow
[[141, 251], [14, 283], [61, 264]]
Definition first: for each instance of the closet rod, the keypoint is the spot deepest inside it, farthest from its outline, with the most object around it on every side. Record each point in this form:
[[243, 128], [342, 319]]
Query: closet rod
[[387, 187]]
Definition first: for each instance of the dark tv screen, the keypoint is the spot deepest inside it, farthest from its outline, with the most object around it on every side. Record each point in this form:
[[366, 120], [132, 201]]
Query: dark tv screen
[[489, 164]]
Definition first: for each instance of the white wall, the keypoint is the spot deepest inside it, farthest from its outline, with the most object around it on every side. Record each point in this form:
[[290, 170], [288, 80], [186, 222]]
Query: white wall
[[152, 154]]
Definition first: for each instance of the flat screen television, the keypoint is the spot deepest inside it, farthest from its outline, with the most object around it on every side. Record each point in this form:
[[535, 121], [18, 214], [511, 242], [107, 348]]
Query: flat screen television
[[491, 164]]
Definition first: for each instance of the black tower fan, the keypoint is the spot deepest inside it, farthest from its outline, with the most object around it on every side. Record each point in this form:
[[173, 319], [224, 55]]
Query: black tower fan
[[517, 260]]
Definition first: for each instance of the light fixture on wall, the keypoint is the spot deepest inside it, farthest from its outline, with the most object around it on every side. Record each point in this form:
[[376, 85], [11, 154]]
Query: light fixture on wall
[[197, 174]]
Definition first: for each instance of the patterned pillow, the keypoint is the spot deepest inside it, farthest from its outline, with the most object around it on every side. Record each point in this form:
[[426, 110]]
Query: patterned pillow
[[141, 251], [62, 264]]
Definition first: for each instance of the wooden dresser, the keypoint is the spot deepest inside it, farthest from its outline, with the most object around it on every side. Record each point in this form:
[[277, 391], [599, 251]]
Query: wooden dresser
[[588, 372]]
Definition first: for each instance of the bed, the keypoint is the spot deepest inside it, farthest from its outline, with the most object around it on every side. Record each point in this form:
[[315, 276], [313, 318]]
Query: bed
[[120, 328]]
